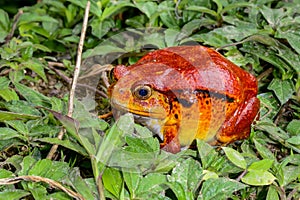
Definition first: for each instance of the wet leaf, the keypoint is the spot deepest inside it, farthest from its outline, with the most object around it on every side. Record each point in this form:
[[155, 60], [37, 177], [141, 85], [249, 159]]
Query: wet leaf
[[235, 157], [283, 89], [220, 188], [258, 177]]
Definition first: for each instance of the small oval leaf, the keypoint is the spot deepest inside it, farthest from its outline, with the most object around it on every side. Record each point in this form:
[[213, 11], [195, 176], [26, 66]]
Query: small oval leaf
[[258, 177], [235, 157]]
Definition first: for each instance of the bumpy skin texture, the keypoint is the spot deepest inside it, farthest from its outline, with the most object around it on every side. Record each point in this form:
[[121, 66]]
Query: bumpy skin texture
[[187, 92]]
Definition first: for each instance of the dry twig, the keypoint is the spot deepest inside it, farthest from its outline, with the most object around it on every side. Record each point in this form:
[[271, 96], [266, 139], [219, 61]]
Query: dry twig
[[75, 77], [52, 183]]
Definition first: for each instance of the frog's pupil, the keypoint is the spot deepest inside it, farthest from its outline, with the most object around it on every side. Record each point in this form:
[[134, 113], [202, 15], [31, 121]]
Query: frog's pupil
[[143, 92]]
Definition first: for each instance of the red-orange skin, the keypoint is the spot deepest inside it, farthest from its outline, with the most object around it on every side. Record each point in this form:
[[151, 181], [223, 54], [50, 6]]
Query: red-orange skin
[[187, 69]]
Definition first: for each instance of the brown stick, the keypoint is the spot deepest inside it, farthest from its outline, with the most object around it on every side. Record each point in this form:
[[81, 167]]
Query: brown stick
[[75, 77], [52, 183]]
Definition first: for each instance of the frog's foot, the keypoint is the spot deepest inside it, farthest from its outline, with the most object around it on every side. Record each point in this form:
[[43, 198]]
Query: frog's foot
[[171, 142]]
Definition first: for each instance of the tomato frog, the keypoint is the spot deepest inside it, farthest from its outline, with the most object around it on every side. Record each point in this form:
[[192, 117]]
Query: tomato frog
[[187, 92]]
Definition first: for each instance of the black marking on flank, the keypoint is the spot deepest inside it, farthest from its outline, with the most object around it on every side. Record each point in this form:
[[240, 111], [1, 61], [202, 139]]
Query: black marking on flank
[[216, 95]]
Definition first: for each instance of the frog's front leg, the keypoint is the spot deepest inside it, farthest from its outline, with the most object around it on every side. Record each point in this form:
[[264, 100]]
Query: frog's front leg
[[171, 142], [238, 126]]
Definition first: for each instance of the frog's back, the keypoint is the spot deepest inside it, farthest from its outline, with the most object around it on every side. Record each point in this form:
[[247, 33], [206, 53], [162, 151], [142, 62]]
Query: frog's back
[[201, 67]]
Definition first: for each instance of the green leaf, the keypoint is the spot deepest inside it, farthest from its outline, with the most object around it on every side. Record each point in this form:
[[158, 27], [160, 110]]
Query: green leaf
[[151, 184], [32, 96], [185, 178], [65, 143], [112, 140], [15, 194], [35, 17], [132, 181], [8, 133], [36, 66], [264, 151], [21, 109], [101, 27], [6, 174], [235, 157], [95, 7], [220, 188], [283, 89], [258, 177], [272, 194], [148, 8], [81, 185], [294, 127], [113, 181], [112, 9], [262, 165], [4, 25], [8, 94], [103, 50], [294, 140], [273, 16]]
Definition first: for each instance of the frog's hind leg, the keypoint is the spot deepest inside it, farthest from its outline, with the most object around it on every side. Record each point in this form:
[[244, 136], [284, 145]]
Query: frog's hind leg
[[239, 126]]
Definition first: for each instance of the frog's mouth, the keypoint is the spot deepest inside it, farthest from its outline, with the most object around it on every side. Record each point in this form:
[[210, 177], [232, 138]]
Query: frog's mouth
[[122, 110]]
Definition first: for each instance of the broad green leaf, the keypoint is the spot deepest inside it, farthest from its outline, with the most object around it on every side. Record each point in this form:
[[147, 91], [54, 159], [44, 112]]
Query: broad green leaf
[[262, 165], [15, 194], [95, 7], [19, 110], [4, 82], [103, 50], [206, 152], [294, 140], [32, 96], [101, 27], [258, 177], [8, 133], [36, 66], [27, 163], [209, 175], [113, 181], [272, 194], [167, 14], [81, 185], [8, 94], [6, 174], [179, 191], [264, 151], [294, 127], [49, 169], [112, 9], [292, 37], [188, 174], [148, 8], [132, 180], [151, 184], [283, 89], [65, 143], [112, 140], [235, 157], [19, 126], [35, 17], [273, 16], [290, 174], [275, 132], [220, 188], [4, 25]]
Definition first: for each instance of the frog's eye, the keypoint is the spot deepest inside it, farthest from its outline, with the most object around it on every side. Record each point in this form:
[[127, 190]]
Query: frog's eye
[[142, 92]]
